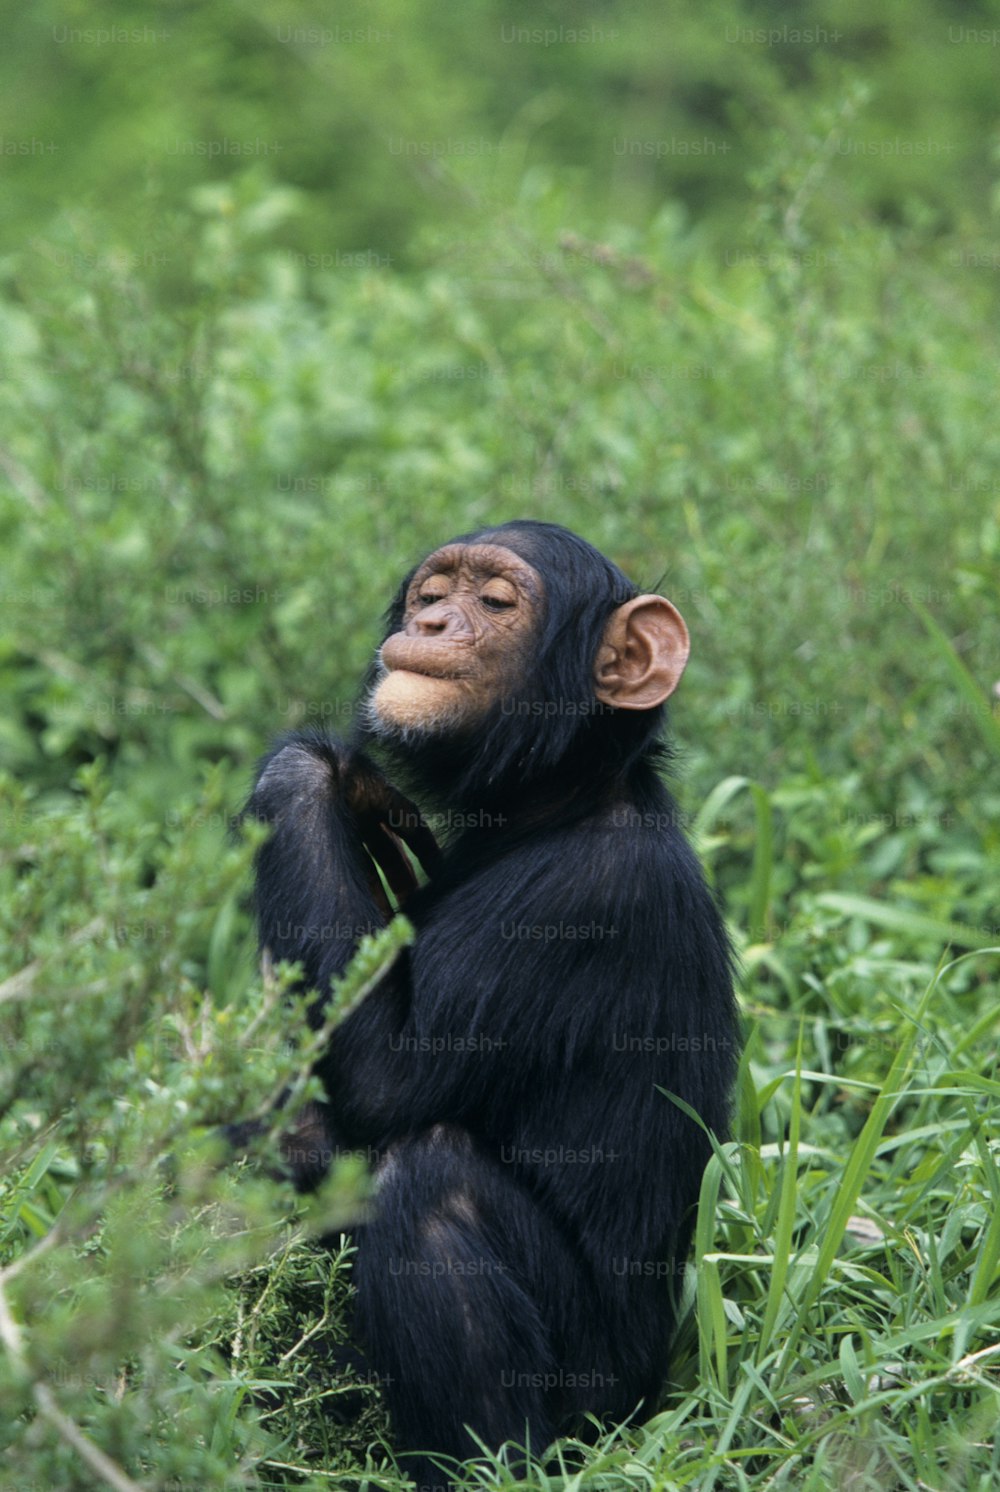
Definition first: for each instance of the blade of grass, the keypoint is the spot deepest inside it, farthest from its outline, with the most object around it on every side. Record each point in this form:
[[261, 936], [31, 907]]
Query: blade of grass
[[760, 874], [786, 1216], [903, 919], [989, 1250], [713, 805], [711, 1308]]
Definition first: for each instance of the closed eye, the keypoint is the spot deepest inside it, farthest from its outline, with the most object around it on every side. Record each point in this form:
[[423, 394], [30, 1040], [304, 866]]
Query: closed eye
[[497, 603]]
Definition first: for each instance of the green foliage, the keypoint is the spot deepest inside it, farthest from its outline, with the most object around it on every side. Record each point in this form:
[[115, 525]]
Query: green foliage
[[131, 1029], [762, 377], [387, 118]]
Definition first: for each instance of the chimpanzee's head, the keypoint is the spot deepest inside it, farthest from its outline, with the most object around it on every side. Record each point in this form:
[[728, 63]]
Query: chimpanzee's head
[[513, 649]]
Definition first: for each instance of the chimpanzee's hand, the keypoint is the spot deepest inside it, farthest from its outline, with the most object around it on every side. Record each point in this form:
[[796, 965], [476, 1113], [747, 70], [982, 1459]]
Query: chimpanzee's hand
[[310, 774]]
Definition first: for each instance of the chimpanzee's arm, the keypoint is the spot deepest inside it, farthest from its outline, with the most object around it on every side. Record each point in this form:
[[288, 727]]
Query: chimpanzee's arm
[[333, 818]]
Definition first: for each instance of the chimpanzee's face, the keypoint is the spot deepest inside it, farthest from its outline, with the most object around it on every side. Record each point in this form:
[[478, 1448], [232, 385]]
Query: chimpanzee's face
[[471, 613]]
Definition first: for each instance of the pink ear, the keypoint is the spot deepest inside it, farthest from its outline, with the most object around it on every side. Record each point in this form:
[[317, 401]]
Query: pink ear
[[642, 654]]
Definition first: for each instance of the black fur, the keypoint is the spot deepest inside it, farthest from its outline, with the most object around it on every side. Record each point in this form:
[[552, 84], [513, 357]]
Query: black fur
[[536, 1187]]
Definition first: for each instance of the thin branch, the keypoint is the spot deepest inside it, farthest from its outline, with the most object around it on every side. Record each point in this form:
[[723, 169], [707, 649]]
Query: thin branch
[[17, 986], [109, 1471]]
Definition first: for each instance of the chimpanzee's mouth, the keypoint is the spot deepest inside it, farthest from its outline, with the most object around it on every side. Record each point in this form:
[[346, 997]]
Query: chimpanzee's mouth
[[415, 661]]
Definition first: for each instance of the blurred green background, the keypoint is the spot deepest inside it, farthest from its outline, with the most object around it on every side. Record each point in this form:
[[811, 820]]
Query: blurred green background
[[289, 295]]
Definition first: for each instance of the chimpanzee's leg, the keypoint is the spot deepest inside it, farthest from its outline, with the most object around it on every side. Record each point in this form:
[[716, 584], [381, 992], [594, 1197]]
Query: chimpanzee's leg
[[453, 1272]]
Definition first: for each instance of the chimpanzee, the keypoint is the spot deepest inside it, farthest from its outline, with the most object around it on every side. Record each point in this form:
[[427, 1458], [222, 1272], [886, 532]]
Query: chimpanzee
[[570, 969]]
